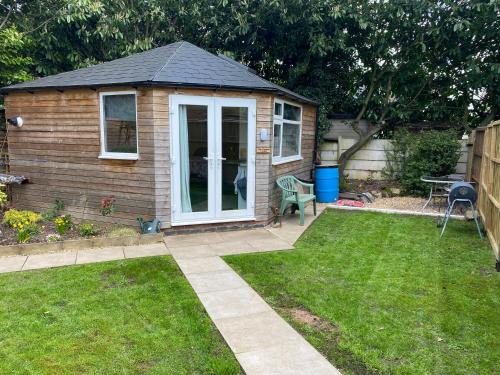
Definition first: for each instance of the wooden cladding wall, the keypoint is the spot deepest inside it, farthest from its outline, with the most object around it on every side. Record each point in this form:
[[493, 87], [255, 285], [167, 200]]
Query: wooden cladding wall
[[300, 168], [58, 150], [489, 184]]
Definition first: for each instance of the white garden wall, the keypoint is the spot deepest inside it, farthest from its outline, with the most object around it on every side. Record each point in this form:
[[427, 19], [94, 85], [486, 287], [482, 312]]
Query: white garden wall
[[371, 159]]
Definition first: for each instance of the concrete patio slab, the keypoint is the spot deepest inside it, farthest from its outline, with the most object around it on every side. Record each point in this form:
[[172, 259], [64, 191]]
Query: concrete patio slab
[[199, 265], [232, 303], [234, 247], [100, 255], [216, 281], [186, 252], [270, 245], [50, 260], [140, 251], [183, 240], [12, 263], [286, 359], [256, 331]]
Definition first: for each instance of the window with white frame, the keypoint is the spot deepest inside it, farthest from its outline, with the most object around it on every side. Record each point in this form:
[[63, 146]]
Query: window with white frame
[[118, 125], [287, 127]]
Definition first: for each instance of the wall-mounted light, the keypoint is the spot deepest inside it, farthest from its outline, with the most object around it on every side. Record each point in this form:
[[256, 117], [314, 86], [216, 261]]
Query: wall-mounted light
[[16, 121]]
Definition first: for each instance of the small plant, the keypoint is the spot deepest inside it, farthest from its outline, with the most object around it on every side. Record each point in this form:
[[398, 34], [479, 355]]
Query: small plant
[[107, 206], [87, 229], [3, 198], [18, 219], [63, 224], [27, 231], [55, 211], [53, 237]]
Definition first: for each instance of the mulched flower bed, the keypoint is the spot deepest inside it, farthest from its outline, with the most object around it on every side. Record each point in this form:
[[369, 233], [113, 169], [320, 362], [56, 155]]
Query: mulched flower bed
[[8, 235]]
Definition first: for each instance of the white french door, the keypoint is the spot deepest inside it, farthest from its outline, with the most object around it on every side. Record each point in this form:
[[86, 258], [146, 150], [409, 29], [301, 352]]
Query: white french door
[[213, 159]]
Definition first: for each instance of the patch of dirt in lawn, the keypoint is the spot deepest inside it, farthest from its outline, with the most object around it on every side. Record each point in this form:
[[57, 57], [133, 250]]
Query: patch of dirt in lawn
[[330, 337], [306, 317]]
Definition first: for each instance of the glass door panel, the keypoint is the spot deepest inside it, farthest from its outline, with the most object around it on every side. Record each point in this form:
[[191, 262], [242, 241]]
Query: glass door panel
[[234, 158], [235, 155], [193, 145]]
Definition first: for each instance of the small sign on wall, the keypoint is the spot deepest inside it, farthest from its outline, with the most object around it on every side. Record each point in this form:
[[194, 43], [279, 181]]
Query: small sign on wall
[[263, 150]]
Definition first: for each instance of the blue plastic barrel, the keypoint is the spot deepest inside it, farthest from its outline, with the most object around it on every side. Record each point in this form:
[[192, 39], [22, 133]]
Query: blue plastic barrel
[[327, 183]]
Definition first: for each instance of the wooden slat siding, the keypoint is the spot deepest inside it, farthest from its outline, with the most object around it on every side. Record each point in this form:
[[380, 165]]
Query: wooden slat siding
[[489, 183], [300, 168], [58, 149]]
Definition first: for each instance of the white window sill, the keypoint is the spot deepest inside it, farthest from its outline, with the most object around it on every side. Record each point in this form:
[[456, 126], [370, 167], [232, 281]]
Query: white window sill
[[119, 156], [278, 160]]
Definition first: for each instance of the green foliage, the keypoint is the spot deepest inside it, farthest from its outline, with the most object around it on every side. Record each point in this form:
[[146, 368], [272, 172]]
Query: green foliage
[[397, 154], [63, 224], [54, 211], [3, 198], [429, 153], [18, 219], [87, 229], [25, 233], [14, 62]]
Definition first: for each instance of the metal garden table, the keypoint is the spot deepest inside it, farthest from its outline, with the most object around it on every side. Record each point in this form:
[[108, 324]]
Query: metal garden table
[[440, 186]]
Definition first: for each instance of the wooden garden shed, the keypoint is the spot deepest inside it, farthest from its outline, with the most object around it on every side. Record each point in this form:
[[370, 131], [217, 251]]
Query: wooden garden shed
[[175, 132]]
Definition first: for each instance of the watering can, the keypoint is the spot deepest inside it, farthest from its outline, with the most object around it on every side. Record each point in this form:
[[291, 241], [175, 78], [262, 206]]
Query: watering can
[[152, 226]]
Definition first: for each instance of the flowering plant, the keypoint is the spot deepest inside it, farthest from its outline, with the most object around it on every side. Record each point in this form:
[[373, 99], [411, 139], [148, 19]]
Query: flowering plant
[[63, 223], [19, 219], [107, 206]]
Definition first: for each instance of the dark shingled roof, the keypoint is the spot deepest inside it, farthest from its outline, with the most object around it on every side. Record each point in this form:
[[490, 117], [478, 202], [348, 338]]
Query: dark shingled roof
[[180, 64]]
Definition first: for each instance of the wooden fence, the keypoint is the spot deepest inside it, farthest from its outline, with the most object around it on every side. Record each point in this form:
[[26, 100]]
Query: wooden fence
[[489, 181]]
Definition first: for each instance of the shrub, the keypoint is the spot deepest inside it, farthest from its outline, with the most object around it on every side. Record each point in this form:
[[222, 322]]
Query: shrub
[[18, 219], [27, 231], [55, 211], [63, 224], [87, 229], [431, 153]]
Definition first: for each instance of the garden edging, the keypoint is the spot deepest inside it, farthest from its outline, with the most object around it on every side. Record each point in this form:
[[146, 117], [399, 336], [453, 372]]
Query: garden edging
[[74, 245]]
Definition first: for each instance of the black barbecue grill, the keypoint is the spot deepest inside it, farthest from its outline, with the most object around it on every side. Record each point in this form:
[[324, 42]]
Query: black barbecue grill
[[461, 194]]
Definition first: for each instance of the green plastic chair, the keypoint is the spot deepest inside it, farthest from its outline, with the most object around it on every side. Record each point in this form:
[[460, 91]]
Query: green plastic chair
[[290, 195]]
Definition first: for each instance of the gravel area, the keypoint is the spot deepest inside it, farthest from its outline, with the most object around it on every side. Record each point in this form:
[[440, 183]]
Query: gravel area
[[408, 204]]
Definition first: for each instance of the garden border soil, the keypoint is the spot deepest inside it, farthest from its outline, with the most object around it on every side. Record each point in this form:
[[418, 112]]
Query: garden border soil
[[74, 245]]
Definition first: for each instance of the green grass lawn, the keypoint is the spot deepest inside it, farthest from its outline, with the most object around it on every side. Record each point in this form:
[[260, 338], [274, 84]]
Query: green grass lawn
[[380, 293], [125, 317]]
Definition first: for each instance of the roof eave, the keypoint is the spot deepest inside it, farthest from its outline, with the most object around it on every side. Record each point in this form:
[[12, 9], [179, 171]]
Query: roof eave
[[9, 89]]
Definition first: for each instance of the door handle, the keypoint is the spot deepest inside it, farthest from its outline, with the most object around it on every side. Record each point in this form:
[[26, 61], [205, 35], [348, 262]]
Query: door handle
[[206, 158], [222, 158]]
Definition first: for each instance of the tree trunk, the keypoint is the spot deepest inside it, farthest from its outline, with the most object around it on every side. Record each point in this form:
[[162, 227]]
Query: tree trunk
[[347, 154]]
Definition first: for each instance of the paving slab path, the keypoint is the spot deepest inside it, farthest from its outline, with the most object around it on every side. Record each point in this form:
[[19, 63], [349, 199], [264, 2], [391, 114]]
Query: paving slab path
[[263, 343]]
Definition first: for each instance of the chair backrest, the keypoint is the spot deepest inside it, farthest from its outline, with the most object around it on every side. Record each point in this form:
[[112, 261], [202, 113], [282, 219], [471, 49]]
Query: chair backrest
[[287, 184]]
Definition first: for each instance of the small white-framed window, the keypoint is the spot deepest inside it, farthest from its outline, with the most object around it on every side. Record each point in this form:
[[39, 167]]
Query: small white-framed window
[[119, 137], [287, 130]]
